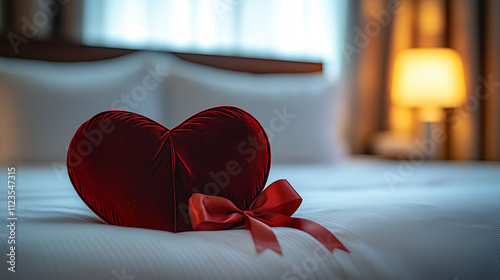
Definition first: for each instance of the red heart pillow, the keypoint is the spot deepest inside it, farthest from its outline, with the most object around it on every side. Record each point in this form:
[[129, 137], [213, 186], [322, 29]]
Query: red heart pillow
[[132, 171]]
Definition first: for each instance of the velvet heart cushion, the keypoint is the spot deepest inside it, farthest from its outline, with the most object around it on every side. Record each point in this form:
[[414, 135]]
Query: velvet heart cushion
[[132, 171]]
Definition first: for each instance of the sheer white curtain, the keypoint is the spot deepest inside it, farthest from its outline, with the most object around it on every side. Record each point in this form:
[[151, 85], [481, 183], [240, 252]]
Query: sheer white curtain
[[310, 30]]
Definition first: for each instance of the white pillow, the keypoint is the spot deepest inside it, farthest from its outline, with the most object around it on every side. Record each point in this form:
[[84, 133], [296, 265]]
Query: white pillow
[[300, 112], [44, 103]]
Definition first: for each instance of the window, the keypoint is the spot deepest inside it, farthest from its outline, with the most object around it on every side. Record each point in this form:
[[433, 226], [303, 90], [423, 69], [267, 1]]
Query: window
[[305, 30]]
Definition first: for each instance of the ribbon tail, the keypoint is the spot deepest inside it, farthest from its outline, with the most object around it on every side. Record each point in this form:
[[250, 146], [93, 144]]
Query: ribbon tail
[[263, 236], [319, 232]]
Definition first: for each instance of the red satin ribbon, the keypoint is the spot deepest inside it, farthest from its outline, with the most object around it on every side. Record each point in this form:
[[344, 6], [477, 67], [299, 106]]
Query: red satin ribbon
[[271, 208]]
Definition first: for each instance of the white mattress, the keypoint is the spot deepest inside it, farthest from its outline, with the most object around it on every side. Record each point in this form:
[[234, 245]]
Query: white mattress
[[442, 221]]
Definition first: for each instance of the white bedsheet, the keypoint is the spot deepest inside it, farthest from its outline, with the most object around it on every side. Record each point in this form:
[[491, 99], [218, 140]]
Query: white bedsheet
[[441, 221]]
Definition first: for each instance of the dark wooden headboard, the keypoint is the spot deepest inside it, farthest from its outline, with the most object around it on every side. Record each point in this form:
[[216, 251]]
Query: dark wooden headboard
[[70, 52]]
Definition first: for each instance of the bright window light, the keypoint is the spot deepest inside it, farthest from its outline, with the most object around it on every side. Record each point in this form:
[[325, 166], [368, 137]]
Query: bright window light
[[304, 30]]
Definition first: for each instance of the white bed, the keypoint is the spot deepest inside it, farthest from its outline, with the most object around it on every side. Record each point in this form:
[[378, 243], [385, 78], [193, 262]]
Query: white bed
[[441, 222]]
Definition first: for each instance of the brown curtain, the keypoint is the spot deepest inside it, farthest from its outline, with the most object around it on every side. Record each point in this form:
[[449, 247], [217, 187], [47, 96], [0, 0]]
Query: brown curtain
[[380, 28], [41, 20], [491, 74]]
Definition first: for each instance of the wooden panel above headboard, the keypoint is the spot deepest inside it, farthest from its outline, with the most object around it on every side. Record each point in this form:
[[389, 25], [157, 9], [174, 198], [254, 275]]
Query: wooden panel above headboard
[[70, 52]]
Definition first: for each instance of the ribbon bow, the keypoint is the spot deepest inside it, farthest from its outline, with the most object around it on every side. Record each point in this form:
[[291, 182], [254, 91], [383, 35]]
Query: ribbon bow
[[271, 208]]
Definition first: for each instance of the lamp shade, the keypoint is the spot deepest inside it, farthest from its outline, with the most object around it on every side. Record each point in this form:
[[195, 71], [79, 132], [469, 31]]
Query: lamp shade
[[428, 78]]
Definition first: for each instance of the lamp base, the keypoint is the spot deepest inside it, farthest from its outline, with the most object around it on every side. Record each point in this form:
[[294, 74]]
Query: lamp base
[[431, 140], [430, 114]]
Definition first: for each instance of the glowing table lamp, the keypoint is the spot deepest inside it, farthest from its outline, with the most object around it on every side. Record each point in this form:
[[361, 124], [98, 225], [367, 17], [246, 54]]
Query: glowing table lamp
[[428, 79]]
